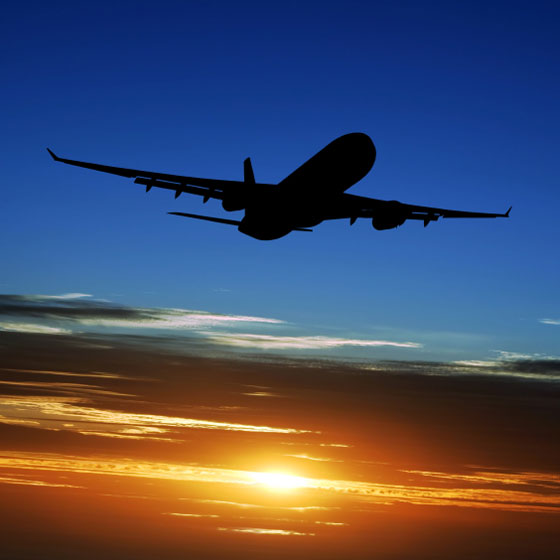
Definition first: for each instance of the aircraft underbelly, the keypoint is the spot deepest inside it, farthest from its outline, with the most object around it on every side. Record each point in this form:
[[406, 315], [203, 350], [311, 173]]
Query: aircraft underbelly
[[264, 231], [278, 216]]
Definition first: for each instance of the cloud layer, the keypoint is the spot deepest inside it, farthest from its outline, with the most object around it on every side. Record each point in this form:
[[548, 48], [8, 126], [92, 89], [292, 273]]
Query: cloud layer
[[147, 440], [271, 342], [73, 313]]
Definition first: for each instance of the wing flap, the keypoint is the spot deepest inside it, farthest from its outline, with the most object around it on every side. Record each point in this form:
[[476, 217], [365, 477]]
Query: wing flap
[[353, 206], [422, 211], [212, 188], [201, 191]]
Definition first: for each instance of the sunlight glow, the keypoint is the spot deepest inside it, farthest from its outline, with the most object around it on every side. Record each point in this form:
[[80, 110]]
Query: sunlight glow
[[279, 481], [535, 491]]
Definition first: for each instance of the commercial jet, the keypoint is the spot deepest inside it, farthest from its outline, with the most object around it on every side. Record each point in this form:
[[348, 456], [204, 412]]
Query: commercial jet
[[313, 193]]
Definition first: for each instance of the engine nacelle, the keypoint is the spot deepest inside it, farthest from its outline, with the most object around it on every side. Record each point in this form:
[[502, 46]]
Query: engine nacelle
[[388, 221], [233, 203]]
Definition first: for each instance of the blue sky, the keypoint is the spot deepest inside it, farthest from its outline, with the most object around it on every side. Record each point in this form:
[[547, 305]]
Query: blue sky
[[461, 100]]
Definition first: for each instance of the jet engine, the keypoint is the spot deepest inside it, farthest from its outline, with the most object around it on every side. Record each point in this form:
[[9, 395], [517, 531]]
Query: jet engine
[[389, 216], [388, 221], [233, 203]]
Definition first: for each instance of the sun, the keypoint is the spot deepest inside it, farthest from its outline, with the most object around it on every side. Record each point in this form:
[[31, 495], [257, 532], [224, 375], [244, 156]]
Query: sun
[[278, 480]]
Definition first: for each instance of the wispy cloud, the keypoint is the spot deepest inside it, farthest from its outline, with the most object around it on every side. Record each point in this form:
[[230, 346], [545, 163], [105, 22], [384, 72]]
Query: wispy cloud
[[68, 413], [311, 458], [57, 373], [32, 328], [508, 356], [477, 363], [95, 313], [271, 342], [532, 367], [73, 313], [550, 321], [263, 531], [532, 491], [178, 514], [244, 505], [548, 480], [81, 389], [173, 319], [31, 482], [71, 295]]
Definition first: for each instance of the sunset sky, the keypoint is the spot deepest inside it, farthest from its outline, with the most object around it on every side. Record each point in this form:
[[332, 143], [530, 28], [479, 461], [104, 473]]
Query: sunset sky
[[172, 388]]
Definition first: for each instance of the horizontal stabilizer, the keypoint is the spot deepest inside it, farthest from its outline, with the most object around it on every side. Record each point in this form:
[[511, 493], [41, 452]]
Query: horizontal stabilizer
[[221, 220], [207, 218]]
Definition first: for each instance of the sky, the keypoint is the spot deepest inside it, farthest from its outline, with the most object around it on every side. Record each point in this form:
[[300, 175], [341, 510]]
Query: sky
[[431, 353]]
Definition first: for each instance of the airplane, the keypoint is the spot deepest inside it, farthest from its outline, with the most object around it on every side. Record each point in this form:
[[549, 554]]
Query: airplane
[[314, 192]]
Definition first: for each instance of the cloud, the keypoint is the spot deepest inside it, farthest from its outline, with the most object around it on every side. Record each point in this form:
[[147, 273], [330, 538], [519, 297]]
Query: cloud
[[71, 314], [550, 321], [512, 365], [29, 482], [407, 432], [515, 491], [72, 295], [101, 375], [82, 389], [264, 531], [69, 413], [72, 308], [178, 514], [273, 342], [274, 506], [32, 328], [545, 368], [174, 319], [506, 355], [311, 458], [476, 363]]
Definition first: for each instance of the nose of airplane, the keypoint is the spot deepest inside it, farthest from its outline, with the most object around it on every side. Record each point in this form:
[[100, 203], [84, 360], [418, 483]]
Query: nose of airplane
[[359, 144]]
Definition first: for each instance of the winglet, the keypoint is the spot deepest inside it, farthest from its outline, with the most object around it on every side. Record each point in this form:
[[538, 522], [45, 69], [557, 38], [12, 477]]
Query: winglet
[[507, 213], [53, 155]]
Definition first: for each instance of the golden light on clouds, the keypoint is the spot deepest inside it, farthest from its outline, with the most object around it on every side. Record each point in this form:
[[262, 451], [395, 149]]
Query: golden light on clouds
[[525, 496], [263, 531], [269, 455], [196, 515], [70, 413], [279, 480]]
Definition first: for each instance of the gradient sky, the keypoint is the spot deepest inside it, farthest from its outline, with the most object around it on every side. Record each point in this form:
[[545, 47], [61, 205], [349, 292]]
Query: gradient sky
[[139, 341], [460, 100]]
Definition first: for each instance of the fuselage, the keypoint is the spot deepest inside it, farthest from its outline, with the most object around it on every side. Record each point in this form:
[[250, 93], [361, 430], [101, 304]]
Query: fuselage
[[304, 197]]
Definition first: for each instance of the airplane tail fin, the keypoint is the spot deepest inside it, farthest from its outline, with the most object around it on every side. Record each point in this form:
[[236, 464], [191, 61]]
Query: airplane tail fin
[[248, 175]]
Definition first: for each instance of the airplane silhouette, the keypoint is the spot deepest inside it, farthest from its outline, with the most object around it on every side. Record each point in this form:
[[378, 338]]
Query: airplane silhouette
[[311, 194]]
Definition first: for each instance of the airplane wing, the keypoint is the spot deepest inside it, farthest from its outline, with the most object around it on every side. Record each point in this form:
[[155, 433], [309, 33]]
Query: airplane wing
[[208, 188], [354, 207]]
